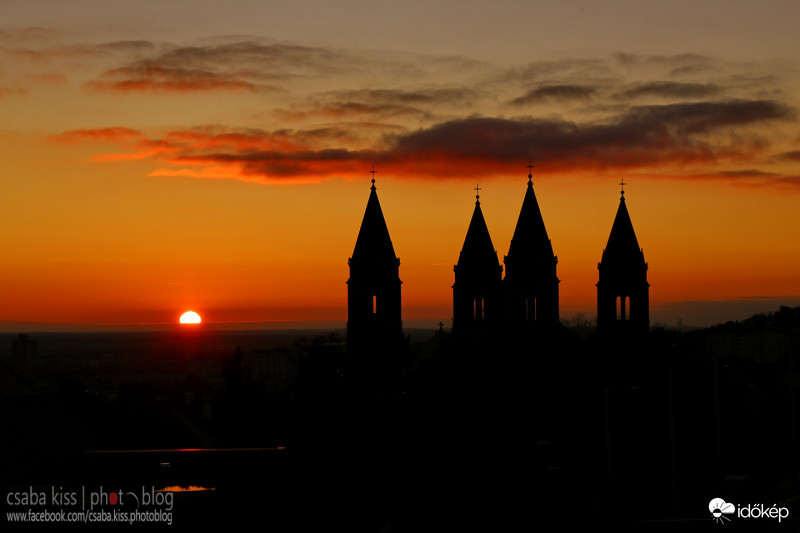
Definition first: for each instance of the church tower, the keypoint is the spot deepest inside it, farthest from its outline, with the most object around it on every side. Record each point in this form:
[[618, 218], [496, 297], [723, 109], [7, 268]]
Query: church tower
[[373, 291], [477, 291], [623, 293], [531, 283]]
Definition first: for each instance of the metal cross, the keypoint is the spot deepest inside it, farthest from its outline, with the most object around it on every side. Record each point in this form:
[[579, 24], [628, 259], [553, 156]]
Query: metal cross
[[373, 172]]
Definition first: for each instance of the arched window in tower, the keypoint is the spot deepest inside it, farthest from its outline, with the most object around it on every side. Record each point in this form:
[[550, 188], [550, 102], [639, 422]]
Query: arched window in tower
[[374, 304], [623, 303], [480, 311]]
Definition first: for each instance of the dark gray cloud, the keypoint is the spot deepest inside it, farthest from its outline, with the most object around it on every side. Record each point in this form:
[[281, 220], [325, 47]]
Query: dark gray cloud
[[145, 77], [352, 110], [669, 90], [693, 70], [705, 117], [555, 93], [439, 96], [284, 56], [670, 61], [643, 137], [380, 104], [562, 70]]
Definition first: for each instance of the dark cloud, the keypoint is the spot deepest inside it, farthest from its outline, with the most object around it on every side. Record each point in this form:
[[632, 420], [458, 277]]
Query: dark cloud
[[239, 65], [644, 137], [353, 110], [454, 96], [692, 69], [789, 156], [670, 90], [148, 78], [565, 69], [705, 117], [555, 93], [287, 58], [379, 104], [673, 61]]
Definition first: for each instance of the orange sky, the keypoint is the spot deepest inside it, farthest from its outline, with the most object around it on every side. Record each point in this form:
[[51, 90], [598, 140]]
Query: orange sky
[[145, 176]]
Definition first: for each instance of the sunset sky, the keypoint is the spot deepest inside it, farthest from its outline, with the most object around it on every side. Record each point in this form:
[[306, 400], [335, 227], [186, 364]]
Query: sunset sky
[[160, 156]]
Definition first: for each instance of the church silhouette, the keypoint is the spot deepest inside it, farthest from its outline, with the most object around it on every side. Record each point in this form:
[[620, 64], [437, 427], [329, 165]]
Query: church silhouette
[[525, 300]]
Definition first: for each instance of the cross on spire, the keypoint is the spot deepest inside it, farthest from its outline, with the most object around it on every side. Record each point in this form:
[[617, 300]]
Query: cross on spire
[[530, 171], [622, 184], [373, 172], [477, 194]]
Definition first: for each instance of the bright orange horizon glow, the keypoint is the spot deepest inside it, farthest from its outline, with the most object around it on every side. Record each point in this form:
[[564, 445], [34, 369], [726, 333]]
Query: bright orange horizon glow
[[190, 317]]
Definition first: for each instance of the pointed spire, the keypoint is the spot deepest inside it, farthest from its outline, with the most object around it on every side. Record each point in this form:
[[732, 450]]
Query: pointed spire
[[373, 245], [478, 250], [622, 289], [622, 247], [530, 245]]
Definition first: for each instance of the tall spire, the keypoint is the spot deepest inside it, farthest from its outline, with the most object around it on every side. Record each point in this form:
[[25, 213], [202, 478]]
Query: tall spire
[[622, 246], [477, 291], [478, 249], [373, 244], [530, 242], [531, 283], [374, 321], [622, 290]]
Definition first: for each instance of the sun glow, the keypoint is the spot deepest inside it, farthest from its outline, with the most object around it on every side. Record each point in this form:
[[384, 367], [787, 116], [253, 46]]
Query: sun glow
[[190, 317]]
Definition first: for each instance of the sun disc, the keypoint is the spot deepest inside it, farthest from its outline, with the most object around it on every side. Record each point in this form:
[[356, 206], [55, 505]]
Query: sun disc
[[190, 317]]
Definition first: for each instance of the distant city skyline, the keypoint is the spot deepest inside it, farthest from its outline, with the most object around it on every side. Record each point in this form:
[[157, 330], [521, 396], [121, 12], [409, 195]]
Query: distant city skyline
[[164, 157]]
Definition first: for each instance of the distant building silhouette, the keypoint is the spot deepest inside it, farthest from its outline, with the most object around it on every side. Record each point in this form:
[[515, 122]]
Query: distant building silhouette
[[374, 319], [478, 290], [623, 291], [531, 284]]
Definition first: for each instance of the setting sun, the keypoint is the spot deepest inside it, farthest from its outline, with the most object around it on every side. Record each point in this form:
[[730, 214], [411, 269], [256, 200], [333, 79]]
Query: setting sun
[[190, 317]]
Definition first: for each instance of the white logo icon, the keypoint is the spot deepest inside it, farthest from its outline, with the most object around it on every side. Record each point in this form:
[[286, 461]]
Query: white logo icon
[[719, 508]]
